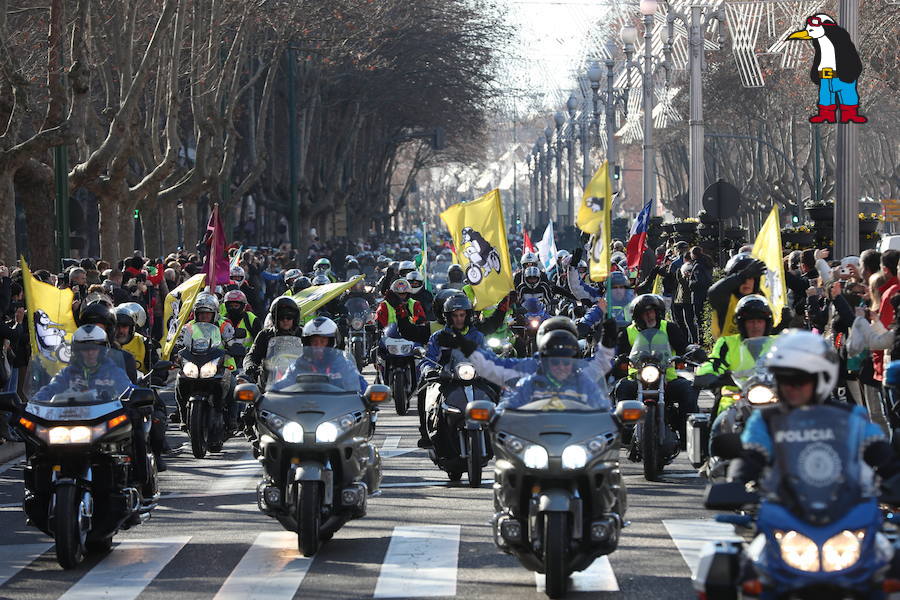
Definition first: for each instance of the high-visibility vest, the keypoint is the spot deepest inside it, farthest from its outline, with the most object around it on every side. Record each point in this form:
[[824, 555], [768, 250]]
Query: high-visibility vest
[[137, 348], [662, 337], [392, 314]]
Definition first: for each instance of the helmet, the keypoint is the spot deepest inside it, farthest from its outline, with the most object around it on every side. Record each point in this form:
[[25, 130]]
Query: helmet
[[284, 306], [349, 258], [530, 258], [416, 281], [738, 263], [206, 303], [559, 343], [439, 299], [137, 313], [236, 273], [405, 267], [290, 275], [582, 265], [123, 317], [455, 274], [235, 296], [401, 286], [532, 272], [642, 304], [556, 324], [383, 261], [458, 302], [753, 306], [321, 280], [321, 326], [801, 351], [394, 266], [618, 278], [98, 313], [323, 264], [301, 283], [562, 254], [90, 334]]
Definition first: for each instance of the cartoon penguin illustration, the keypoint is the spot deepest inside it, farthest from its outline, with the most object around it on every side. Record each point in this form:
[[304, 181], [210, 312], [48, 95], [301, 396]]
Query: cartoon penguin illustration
[[835, 69]]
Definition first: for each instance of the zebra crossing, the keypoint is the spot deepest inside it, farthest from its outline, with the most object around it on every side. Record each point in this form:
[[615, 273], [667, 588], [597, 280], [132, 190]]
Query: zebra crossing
[[421, 561]]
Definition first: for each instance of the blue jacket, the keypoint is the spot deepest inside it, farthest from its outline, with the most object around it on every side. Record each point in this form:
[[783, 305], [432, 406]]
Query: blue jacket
[[579, 388], [110, 378], [437, 353]]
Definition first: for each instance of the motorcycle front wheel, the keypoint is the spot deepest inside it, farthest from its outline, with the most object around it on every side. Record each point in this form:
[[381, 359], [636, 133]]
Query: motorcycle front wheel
[[359, 354], [198, 429], [475, 452], [398, 389], [650, 443], [69, 526], [309, 517], [555, 544]]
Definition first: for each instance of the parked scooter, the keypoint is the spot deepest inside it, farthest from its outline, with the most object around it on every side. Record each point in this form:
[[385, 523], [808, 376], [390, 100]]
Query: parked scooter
[[315, 440]]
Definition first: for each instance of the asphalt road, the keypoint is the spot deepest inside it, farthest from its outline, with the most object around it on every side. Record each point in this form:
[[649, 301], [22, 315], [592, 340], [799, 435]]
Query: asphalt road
[[422, 537]]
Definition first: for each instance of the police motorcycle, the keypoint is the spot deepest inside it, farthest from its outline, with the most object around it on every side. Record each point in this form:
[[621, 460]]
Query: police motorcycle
[[398, 367], [359, 324], [89, 470], [458, 445], [315, 440], [558, 490], [205, 380]]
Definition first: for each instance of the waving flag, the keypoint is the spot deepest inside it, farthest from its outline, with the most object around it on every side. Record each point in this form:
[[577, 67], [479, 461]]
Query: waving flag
[[315, 297], [547, 249], [216, 267], [637, 240], [51, 324], [527, 246], [767, 248], [177, 309]]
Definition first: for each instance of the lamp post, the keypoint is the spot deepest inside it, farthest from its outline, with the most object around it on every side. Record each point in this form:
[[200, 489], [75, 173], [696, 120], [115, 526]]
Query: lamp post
[[611, 156], [548, 166], [529, 160], [560, 120], [542, 176], [571, 105]]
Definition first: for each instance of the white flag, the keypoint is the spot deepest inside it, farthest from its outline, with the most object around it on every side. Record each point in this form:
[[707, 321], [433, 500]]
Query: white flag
[[546, 248]]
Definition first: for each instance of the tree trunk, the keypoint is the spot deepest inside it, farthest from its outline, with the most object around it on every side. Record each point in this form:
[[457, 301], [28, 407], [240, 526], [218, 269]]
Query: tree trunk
[[126, 230], [34, 181], [8, 223], [168, 217], [191, 228], [150, 219], [109, 223]]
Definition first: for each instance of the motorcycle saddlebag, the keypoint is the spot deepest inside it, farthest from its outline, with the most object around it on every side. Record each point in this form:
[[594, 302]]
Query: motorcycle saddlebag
[[698, 438]]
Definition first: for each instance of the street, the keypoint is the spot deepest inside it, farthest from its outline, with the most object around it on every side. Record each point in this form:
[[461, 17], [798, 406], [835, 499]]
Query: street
[[422, 537]]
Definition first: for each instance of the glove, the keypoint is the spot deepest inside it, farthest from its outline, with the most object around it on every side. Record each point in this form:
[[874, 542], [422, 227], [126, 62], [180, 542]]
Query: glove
[[466, 345], [445, 339], [754, 270], [610, 331], [576, 256]]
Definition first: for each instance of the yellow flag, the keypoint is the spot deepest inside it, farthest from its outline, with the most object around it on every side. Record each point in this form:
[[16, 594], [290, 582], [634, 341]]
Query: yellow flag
[[767, 248], [177, 310], [313, 298], [479, 236], [595, 218], [50, 321]]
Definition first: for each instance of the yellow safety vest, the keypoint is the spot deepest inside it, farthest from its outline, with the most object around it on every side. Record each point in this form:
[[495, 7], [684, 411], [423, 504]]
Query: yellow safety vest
[[392, 314], [137, 348], [632, 331]]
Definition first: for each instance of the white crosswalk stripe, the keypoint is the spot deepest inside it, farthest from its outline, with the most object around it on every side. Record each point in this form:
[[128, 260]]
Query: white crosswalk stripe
[[14, 558], [272, 569], [426, 555], [127, 570], [690, 535], [599, 577], [238, 476]]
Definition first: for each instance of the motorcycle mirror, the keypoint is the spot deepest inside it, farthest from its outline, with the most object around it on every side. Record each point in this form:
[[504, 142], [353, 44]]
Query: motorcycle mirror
[[377, 393], [726, 445], [419, 352], [630, 411], [237, 351], [696, 354], [729, 496], [246, 392], [240, 333], [8, 402], [480, 411], [163, 365]]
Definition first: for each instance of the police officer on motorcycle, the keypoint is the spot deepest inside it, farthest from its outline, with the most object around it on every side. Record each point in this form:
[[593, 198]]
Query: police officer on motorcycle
[[648, 312]]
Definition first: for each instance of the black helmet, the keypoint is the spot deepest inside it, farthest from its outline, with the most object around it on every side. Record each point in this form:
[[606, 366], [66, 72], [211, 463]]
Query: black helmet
[[560, 344], [738, 263], [455, 274], [458, 302], [98, 313], [645, 302], [284, 306], [301, 283], [753, 306], [556, 324], [438, 304], [123, 317]]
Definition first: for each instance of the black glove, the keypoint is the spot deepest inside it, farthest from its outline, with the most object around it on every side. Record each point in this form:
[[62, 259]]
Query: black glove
[[610, 332], [576, 256], [466, 345], [445, 339], [754, 270]]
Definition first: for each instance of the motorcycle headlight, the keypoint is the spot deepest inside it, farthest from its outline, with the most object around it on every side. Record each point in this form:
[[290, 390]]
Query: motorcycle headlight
[[760, 394], [330, 431], [209, 369], [292, 432], [574, 457], [841, 551], [798, 551], [70, 435], [465, 371], [535, 457], [534, 323], [191, 370], [494, 343], [356, 323], [649, 374]]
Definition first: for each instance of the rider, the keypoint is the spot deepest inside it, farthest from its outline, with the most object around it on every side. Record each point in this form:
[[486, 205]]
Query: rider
[[753, 317], [558, 377], [397, 299], [456, 278], [236, 309], [420, 293], [534, 285], [300, 284], [742, 274], [648, 312], [285, 317], [323, 267], [529, 259]]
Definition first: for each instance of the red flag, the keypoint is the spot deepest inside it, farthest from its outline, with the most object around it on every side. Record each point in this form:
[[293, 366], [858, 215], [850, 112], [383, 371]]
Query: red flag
[[216, 267], [526, 242], [637, 243]]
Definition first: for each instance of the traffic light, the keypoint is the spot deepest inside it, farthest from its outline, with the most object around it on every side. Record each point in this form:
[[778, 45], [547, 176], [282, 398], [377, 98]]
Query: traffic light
[[617, 172], [137, 214], [795, 219]]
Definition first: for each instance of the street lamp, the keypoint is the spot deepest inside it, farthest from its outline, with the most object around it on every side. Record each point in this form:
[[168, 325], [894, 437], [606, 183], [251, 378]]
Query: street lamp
[[560, 120], [542, 176], [548, 167], [571, 106]]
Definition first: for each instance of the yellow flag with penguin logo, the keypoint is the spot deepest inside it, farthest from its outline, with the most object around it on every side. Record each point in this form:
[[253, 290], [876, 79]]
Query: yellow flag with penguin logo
[[479, 236], [50, 321], [767, 248], [177, 310], [595, 219]]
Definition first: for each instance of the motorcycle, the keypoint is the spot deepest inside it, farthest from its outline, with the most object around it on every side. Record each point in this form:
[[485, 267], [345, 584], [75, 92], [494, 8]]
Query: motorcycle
[[315, 440], [397, 367], [560, 495], [360, 322], [499, 345], [818, 529], [89, 470], [459, 445], [204, 379], [527, 324]]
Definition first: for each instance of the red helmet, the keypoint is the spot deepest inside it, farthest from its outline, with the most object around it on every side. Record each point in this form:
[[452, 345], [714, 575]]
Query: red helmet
[[235, 296]]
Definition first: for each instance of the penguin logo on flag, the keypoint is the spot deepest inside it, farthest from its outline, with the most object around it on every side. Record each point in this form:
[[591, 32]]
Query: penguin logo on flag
[[835, 68], [483, 257], [51, 337]]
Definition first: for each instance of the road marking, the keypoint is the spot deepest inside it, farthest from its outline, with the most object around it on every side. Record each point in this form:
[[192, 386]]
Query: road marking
[[599, 577], [16, 557], [239, 475], [127, 570], [418, 484], [420, 561], [272, 569], [12, 463], [391, 441], [690, 535], [690, 475], [392, 452]]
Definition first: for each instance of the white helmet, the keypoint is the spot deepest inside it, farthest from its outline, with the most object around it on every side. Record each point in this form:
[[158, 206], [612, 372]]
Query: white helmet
[[530, 257], [321, 280], [807, 352], [531, 272], [136, 311], [290, 275], [206, 302], [321, 326], [405, 267], [90, 334], [415, 279], [236, 271]]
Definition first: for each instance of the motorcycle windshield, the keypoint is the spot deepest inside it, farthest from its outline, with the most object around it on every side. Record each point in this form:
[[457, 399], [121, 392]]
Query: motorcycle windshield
[[357, 306], [204, 337], [559, 386], [651, 344], [750, 363], [325, 366], [816, 462], [94, 375], [282, 352]]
